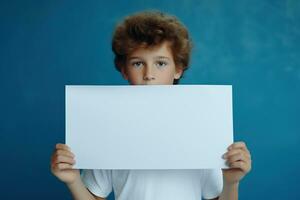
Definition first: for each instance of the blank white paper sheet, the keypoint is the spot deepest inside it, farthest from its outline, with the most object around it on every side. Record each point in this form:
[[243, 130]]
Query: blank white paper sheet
[[149, 126]]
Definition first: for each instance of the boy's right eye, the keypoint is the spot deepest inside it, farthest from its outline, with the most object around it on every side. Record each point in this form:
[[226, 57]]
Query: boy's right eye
[[137, 64]]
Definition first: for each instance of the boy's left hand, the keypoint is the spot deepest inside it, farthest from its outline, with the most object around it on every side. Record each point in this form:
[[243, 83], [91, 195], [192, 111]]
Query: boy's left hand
[[238, 158]]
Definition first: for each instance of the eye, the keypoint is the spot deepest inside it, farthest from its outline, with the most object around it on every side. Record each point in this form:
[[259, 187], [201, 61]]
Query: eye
[[137, 64], [161, 63]]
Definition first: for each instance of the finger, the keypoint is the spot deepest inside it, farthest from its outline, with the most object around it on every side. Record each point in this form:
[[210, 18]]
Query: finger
[[64, 153], [62, 166], [240, 165], [62, 146], [64, 159], [61, 153], [236, 151], [61, 159], [240, 145], [238, 157]]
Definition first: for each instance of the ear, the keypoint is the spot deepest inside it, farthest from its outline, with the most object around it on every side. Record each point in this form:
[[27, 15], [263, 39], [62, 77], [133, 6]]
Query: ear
[[124, 73], [178, 72]]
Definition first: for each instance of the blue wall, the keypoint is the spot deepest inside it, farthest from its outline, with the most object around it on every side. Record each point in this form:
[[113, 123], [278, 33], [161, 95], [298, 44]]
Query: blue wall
[[253, 45]]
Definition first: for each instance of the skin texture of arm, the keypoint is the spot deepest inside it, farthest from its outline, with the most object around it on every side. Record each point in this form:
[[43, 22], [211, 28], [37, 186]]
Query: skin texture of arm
[[80, 192]]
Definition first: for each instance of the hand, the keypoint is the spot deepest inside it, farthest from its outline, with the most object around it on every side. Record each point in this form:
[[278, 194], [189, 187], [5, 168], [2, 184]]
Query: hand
[[62, 161], [239, 160]]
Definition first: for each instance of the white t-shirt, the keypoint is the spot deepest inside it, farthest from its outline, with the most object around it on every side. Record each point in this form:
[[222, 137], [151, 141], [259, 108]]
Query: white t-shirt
[[191, 184]]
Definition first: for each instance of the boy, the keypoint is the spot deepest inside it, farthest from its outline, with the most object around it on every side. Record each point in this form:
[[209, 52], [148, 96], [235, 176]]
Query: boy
[[152, 48]]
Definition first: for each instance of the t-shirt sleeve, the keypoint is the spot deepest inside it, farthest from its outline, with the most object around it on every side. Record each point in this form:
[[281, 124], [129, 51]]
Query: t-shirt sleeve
[[212, 184], [97, 181]]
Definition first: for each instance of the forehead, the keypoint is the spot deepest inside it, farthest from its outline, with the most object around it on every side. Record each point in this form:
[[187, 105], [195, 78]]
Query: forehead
[[163, 49]]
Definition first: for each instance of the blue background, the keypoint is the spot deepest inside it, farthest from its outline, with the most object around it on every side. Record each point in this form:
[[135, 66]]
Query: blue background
[[253, 45]]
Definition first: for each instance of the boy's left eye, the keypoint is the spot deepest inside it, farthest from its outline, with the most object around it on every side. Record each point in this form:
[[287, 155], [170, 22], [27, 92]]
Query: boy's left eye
[[161, 63]]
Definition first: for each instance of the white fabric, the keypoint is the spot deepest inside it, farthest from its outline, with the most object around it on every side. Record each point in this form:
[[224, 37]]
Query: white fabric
[[191, 184]]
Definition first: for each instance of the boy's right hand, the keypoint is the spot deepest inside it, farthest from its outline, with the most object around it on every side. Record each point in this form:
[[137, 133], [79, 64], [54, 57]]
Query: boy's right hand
[[62, 161]]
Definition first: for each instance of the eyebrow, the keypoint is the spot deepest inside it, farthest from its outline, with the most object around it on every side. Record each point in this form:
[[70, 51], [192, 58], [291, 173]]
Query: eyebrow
[[162, 57], [156, 57]]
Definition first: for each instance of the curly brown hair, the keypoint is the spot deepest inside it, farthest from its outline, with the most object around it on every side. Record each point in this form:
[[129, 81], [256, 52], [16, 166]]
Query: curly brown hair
[[147, 29]]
